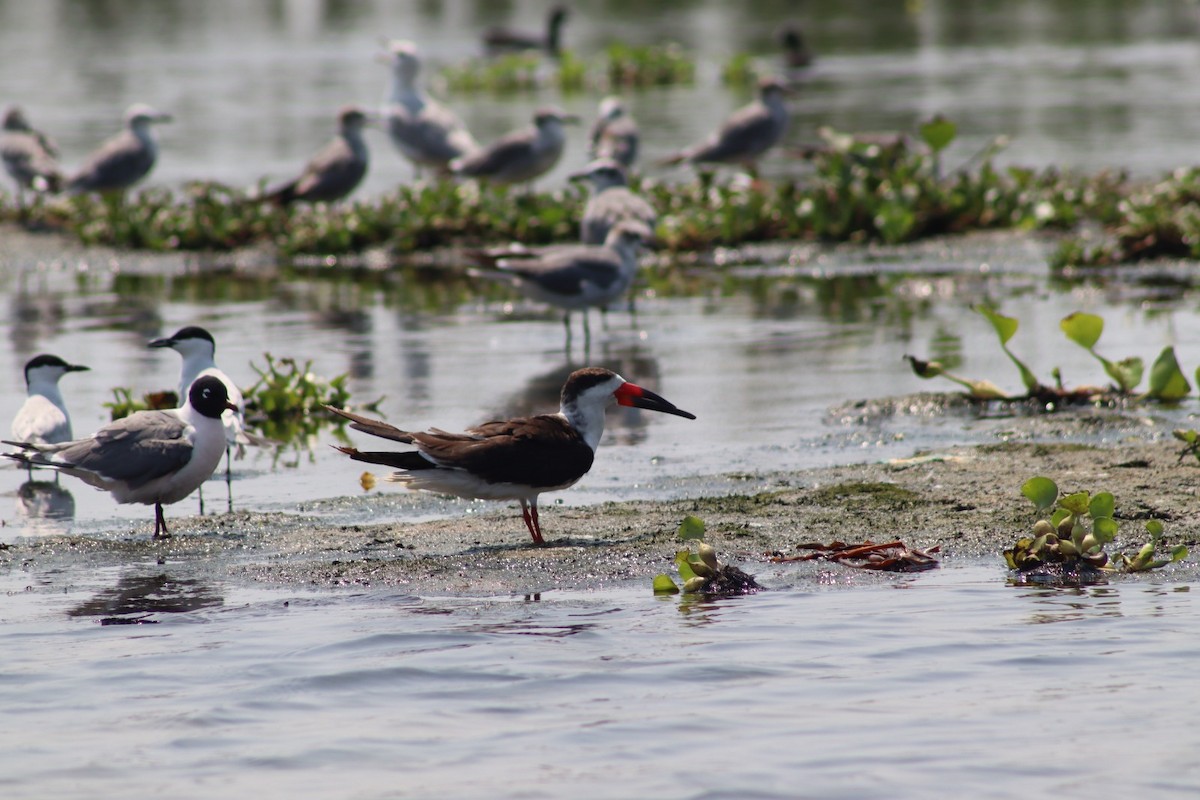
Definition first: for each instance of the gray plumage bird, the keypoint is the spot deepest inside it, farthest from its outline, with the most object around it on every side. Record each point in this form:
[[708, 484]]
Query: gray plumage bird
[[746, 134], [573, 277], [522, 155], [124, 159], [425, 132], [150, 457], [30, 157], [611, 202], [614, 134], [337, 168]]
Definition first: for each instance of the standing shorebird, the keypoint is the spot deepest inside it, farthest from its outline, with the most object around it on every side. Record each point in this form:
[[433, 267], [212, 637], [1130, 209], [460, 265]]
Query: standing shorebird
[[124, 159], [611, 202], [425, 132], [497, 39], [746, 134], [43, 418], [151, 457], [337, 168], [30, 157], [614, 134], [515, 459], [574, 277], [522, 155], [198, 349]]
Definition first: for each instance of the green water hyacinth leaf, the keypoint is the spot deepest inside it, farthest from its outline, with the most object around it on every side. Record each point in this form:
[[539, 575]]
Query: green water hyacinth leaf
[[1083, 329], [1104, 529], [686, 573], [1155, 528], [664, 585], [1167, 381], [692, 527], [938, 133], [1041, 491], [1006, 328], [1127, 372], [1076, 503], [1102, 504]]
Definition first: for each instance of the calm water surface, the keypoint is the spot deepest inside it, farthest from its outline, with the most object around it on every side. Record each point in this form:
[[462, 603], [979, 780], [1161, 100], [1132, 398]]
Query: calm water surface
[[828, 686], [824, 688]]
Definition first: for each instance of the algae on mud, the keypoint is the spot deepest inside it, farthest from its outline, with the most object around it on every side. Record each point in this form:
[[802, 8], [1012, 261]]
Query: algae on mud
[[964, 499]]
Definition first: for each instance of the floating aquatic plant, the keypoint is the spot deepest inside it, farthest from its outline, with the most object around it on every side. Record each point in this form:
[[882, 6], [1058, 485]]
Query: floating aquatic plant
[[1167, 381], [700, 572], [1069, 544], [281, 403], [891, 189], [124, 403]]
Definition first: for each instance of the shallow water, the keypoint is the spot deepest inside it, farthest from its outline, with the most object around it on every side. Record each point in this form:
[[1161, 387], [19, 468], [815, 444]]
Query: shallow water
[[838, 688], [768, 361]]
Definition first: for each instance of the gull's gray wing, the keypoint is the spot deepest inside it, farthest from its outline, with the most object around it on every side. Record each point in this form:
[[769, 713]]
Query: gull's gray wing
[[136, 449], [119, 162]]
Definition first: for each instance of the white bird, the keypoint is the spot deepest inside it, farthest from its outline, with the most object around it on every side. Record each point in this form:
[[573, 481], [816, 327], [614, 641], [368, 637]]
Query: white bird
[[573, 277], [425, 132], [29, 156], [43, 418], [336, 169], [150, 457], [746, 134], [611, 201], [515, 459], [522, 155], [198, 349], [124, 159], [614, 133]]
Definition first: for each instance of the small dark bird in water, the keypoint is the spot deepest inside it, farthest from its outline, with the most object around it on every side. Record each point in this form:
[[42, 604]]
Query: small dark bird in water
[[499, 39]]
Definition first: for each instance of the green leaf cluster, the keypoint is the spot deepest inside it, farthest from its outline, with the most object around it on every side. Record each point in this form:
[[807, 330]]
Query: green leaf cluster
[[1073, 536]]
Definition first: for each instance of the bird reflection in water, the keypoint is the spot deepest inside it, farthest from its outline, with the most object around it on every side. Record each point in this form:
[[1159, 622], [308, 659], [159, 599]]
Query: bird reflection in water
[[159, 593], [46, 506]]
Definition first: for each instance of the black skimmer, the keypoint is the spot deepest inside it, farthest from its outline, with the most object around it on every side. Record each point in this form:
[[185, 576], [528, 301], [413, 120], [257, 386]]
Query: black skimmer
[[611, 202], [425, 132], [43, 419], [29, 156], [150, 457], [614, 134], [124, 159], [198, 349], [746, 134], [515, 459], [522, 155], [336, 169], [574, 277], [499, 39]]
